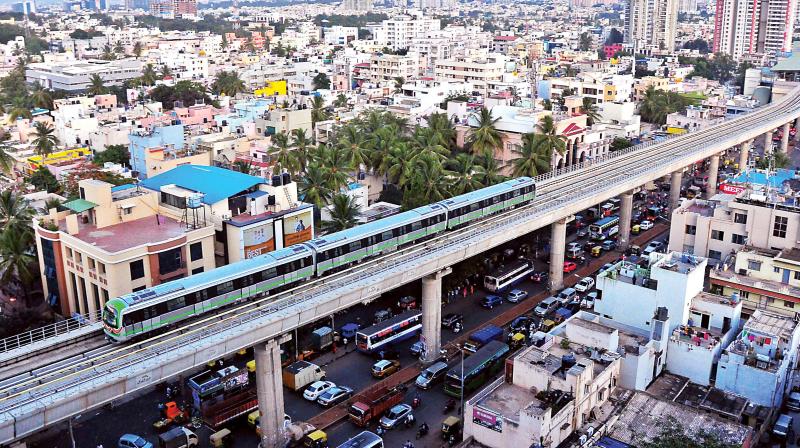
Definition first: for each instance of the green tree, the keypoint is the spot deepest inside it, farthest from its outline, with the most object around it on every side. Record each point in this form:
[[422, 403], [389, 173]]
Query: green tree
[[118, 48], [138, 49], [281, 152], [491, 172], [336, 165], [467, 174], [16, 260], [19, 110], [398, 84], [426, 141], [429, 183], [44, 139], [344, 214], [318, 111], [148, 75], [400, 164], [585, 42], [108, 53], [532, 159], [43, 179], [485, 139], [589, 108], [620, 143], [228, 83], [96, 85], [441, 124], [114, 154], [340, 101], [166, 72], [321, 82], [313, 186], [15, 212], [41, 97], [6, 160], [356, 145], [550, 141], [301, 149]]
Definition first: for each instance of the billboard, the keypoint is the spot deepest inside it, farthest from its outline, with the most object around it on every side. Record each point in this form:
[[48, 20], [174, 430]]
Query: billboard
[[258, 240], [298, 227], [731, 189], [487, 418]]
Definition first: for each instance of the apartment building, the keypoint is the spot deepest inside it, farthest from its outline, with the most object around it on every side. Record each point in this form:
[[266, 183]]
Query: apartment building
[[651, 25], [284, 120], [75, 76], [549, 390], [388, 67], [481, 73], [157, 137], [694, 118], [747, 27], [397, 32], [112, 241]]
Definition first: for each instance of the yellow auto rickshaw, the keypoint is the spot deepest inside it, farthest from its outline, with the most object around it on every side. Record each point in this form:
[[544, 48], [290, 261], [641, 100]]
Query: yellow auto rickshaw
[[251, 366], [597, 251], [221, 438], [636, 229], [315, 439], [517, 340], [252, 418], [451, 426], [547, 325]]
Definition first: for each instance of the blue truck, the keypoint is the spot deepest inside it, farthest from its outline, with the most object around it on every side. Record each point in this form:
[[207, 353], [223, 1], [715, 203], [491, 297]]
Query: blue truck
[[481, 337]]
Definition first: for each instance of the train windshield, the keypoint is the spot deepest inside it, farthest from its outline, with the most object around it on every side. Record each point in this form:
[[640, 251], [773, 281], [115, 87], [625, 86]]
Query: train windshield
[[110, 316]]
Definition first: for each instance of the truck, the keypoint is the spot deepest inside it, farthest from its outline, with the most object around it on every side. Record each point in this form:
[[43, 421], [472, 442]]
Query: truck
[[322, 338], [225, 408], [373, 403], [480, 337], [300, 374], [208, 384], [179, 437]]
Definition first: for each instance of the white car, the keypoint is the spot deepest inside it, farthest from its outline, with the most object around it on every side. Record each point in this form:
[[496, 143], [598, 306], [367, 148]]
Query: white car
[[588, 301], [585, 284], [645, 225], [316, 389]]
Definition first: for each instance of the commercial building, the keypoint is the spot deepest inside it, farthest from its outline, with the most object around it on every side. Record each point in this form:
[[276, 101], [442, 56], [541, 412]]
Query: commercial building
[[75, 76], [749, 27], [172, 8], [357, 5], [549, 391], [156, 137], [651, 25]]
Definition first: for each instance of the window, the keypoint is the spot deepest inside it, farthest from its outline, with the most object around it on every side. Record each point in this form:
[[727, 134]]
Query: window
[[744, 294], [788, 304], [740, 218], [738, 239], [776, 269], [779, 228], [715, 254], [139, 288], [169, 261], [196, 271], [101, 267], [797, 275], [69, 253], [717, 235], [78, 257], [691, 230], [754, 265], [91, 263], [196, 251], [137, 269]]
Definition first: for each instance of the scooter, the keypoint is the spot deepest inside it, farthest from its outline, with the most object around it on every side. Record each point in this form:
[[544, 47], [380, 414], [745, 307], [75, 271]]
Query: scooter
[[457, 328], [422, 431], [449, 406], [416, 401]]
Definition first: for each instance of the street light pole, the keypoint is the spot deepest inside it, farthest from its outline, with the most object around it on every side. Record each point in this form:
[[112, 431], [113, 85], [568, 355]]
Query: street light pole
[[462, 387]]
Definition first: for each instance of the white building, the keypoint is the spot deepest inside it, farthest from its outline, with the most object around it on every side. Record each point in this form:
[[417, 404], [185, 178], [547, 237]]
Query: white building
[[390, 67], [398, 32], [651, 24], [75, 76], [746, 27], [340, 35], [481, 73]]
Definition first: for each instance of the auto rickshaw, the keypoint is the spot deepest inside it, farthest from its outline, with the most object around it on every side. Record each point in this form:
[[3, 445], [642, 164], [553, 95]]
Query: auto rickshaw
[[634, 250], [315, 439], [251, 366], [253, 417], [597, 251], [547, 325], [221, 438], [636, 229], [451, 426], [517, 340]]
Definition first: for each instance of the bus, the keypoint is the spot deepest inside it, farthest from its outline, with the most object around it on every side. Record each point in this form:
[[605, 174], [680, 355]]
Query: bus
[[604, 228], [479, 368], [381, 335], [508, 276]]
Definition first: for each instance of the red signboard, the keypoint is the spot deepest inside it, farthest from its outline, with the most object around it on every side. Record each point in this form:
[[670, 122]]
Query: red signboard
[[731, 189]]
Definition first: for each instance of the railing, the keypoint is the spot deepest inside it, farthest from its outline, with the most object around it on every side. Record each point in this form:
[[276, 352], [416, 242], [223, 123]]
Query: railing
[[48, 331]]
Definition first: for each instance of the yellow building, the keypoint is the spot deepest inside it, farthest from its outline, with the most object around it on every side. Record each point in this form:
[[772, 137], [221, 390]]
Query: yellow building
[[34, 162], [272, 88]]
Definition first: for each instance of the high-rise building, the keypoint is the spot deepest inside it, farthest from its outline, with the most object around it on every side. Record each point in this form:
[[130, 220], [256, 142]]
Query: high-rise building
[[744, 27], [173, 8], [25, 6], [357, 5], [651, 23]]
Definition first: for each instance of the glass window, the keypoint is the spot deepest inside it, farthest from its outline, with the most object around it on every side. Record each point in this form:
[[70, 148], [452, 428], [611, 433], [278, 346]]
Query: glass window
[[196, 251], [717, 235], [715, 254], [196, 271], [740, 218], [754, 265], [137, 269], [776, 269], [169, 260], [744, 294], [797, 275], [691, 230], [738, 239], [779, 228], [788, 304]]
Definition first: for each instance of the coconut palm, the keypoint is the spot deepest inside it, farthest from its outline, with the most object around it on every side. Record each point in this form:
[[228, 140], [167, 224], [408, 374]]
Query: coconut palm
[[166, 72], [441, 124], [19, 110], [41, 97], [532, 159], [384, 141], [281, 152], [655, 107], [491, 172], [357, 146], [118, 48], [589, 108], [428, 141], [6, 160], [400, 164], [485, 139], [108, 53], [428, 182], [96, 85], [228, 83], [313, 187], [340, 101], [301, 149], [344, 214], [16, 261], [15, 212], [548, 138], [336, 166], [398, 84], [318, 112], [43, 138], [149, 75], [467, 174], [137, 49]]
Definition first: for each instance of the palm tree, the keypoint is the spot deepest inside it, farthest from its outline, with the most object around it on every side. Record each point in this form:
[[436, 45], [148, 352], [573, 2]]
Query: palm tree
[[96, 85], [6, 160], [313, 186], [19, 110], [148, 75], [384, 140], [340, 101], [301, 149], [398, 84], [15, 213], [400, 164], [428, 183], [428, 141], [467, 174], [118, 48], [344, 214], [318, 112], [532, 160], [137, 49], [441, 124], [357, 145], [336, 165], [228, 83], [41, 97], [43, 138], [654, 106], [485, 139], [549, 138], [491, 172], [589, 108], [108, 53], [281, 152], [166, 72]]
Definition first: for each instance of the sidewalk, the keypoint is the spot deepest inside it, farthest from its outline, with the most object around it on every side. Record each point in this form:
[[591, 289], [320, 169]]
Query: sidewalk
[[409, 373]]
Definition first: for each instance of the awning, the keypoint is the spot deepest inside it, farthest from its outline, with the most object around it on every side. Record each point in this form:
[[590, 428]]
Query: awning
[[80, 205]]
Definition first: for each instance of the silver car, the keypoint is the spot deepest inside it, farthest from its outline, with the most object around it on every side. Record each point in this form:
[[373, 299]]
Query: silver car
[[395, 416]]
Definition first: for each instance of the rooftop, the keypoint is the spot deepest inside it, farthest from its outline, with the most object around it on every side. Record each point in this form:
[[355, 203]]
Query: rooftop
[[792, 255], [767, 323], [215, 183], [696, 336], [127, 235], [508, 400]]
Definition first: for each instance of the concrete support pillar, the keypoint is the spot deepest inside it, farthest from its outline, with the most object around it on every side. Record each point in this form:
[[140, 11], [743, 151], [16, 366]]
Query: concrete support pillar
[[432, 314], [269, 389], [797, 128], [713, 174], [558, 238], [785, 138], [768, 142], [675, 189], [744, 154], [625, 215]]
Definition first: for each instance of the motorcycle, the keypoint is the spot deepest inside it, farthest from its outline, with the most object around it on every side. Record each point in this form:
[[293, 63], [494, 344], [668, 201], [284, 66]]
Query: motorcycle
[[449, 406], [416, 402], [457, 328], [422, 431]]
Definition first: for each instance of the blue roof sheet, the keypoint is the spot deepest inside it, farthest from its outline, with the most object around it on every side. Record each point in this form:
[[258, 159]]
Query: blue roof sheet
[[776, 180], [608, 442], [215, 183], [122, 187]]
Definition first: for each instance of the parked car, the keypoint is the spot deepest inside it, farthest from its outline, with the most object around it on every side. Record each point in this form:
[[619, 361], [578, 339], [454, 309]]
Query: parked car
[[491, 301], [573, 246], [546, 306], [646, 225], [608, 245], [569, 266], [517, 295], [585, 284], [521, 324], [416, 348], [385, 367], [793, 402], [395, 416], [588, 301], [540, 277], [316, 389], [783, 426], [654, 246], [133, 441], [567, 295], [335, 395], [450, 319]]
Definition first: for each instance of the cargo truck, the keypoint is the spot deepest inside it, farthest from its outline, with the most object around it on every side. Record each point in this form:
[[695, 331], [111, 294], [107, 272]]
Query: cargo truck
[[300, 374], [179, 437], [373, 403], [322, 339], [481, 337]]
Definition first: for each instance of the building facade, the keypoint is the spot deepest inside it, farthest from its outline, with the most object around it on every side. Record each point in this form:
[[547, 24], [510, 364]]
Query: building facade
[[651, 24], [752, 27]]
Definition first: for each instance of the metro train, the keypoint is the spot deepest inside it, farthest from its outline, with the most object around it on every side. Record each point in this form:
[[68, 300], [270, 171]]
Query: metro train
[[138, 313]]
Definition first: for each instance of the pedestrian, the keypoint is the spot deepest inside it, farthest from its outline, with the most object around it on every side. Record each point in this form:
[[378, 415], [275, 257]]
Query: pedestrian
[[344, 341], [471, 289], [465, 292]]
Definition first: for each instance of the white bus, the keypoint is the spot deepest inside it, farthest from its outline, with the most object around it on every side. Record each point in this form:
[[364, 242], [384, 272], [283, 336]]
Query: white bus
[[508, 276], [604, 228]]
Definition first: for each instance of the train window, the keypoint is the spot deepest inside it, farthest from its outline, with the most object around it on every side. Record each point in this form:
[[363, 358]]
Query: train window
[[474, 206], [202, 295], [321, 256], [127, 320], [225, 287], [424, 222], [160, 308], [416, 225], [354, 246], [386, 236], [176, 303]]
